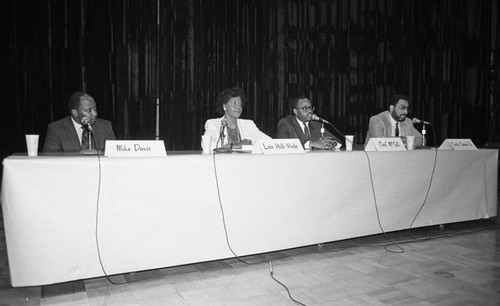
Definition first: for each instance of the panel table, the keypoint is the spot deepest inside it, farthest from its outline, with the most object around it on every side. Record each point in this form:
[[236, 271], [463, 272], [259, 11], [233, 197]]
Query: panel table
[[77, 217]]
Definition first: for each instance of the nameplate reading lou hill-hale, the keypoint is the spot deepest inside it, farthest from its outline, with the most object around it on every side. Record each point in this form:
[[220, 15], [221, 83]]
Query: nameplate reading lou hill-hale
[[385, 144], [458, 144], [134, 148], [281, 146]]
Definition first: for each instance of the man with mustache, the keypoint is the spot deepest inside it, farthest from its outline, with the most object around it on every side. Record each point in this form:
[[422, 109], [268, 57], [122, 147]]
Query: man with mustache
[[70, 134], [394, 122], [300, 125]]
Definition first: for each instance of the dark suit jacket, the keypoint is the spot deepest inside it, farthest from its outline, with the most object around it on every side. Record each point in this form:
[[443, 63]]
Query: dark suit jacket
[[61, 136], [288, 127]]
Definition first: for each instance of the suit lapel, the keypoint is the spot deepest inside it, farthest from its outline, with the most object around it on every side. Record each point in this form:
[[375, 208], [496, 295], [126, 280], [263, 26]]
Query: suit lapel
[[315, 131], [388, 124], [98, 133], [72, 135], [298, 130], [403, 128]]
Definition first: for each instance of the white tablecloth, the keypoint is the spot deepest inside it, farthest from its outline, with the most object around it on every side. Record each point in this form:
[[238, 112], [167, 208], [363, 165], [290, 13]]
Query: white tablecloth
[[159, 212]]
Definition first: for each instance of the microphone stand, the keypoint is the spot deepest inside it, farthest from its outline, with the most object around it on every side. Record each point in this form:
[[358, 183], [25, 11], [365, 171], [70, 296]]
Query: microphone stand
[[89, 151], [221, 149], [221, 135], [423, 135]]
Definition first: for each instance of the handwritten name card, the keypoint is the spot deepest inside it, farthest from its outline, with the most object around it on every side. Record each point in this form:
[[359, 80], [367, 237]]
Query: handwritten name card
[[458, 144], [385, 144], [281, 146], [135, 148]]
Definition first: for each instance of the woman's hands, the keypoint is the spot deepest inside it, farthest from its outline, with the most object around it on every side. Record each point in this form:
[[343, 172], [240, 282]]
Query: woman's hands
[[238, 145]]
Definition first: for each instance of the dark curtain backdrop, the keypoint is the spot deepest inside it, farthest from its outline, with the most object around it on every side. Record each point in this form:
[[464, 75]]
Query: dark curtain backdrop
[[168, 59]]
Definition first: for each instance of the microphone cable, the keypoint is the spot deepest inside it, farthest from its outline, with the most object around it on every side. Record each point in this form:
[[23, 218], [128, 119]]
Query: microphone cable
[[96, 232], [283, 285], [427, 192], [228, 243], [97, 213], [342, 135], [374, 194], [401, 250], [219, 139], [222, 208], [224, 217], [430, 182]]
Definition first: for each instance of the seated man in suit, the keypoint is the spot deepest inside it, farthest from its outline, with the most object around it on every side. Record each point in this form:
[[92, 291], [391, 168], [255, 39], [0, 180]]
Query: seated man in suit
[[300, 125], [70, 134], [393, 122]]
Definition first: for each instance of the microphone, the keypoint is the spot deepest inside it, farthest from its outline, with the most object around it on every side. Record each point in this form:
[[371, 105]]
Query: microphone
[[415, 120], [223, 124], [86, 125], [316, 118], [221, 149]]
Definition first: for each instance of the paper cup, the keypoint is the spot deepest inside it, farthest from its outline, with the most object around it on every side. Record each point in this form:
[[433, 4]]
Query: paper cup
[[206, 144], [32, 144], [349, 139], [410, 141]]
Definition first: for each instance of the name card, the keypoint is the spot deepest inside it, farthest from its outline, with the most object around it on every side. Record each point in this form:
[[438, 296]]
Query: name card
[[457, 144], [385, 144], [134, 148], [281, 146]]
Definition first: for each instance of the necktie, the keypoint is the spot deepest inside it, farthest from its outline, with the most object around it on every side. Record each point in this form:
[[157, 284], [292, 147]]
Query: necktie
[[85, 139], [306, 132], [397, 129]]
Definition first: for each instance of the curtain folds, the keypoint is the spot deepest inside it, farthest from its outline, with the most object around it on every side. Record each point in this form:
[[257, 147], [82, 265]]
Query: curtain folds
[[349, 56]]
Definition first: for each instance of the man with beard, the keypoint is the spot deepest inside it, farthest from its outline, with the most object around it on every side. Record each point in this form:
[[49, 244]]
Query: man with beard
[[70, 134], [300, 125], [393, 122]]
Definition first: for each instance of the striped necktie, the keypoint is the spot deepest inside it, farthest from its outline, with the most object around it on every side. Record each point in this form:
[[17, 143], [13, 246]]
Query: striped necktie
[[85, 139], [306, 132]]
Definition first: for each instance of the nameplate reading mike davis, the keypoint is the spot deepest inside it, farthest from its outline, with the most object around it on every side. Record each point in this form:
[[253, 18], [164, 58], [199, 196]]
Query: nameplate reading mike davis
[[135, 148]]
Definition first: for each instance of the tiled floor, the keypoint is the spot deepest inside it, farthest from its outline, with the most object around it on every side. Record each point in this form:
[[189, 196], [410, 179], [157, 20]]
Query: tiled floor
[[455, 265]]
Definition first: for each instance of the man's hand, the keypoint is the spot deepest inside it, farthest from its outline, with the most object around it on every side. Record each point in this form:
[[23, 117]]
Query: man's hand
[[325, 143]]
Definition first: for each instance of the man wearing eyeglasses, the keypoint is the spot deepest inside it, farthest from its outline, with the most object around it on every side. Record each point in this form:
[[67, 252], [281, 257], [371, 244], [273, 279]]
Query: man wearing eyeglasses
[[300, 125], [394, 122]]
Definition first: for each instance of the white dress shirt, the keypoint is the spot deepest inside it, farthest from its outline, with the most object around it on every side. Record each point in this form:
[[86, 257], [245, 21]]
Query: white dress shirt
[[303, 126], [79, 130]]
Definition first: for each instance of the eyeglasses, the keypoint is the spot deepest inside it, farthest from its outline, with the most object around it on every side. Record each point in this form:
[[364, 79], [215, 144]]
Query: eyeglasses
[[234, 103], [306, 108], [404, 108]]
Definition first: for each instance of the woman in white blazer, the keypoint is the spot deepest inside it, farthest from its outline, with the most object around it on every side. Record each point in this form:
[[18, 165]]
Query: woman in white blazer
[[229, 131]]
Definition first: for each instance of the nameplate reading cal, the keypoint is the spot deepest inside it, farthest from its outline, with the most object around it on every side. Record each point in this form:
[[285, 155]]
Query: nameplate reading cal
[[385, 144], [281, 146], [135, 148], [458, 144]]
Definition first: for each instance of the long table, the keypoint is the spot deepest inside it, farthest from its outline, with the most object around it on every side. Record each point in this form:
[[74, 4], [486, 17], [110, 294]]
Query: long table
[[78, 217]]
